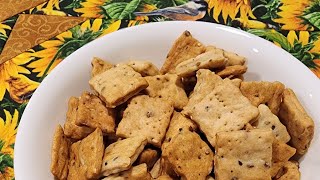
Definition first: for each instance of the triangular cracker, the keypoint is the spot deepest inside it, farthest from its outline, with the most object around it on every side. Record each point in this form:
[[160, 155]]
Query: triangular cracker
[[243, 155], [93, 113], [233, 58], [72, 130], [116, 85], [120, 155], [139, 172], [86, 156], [60, 154], [99, 66], [262, 92], [169, 87], [146, 116], [184, 48], [145, 68], [208, 60], [267, 120], [189, 156], [224, 109], [299, 124], [232, 71]]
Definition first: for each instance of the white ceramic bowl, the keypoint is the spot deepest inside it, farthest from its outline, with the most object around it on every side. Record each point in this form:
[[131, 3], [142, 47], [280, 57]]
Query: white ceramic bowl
[[48, 105]]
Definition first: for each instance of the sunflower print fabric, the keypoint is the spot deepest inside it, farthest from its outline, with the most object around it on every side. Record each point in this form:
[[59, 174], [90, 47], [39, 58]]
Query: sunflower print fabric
[[293, 25]]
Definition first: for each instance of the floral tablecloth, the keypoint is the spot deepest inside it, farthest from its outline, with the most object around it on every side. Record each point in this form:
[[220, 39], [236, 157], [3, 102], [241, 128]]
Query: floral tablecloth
[[36, 35]]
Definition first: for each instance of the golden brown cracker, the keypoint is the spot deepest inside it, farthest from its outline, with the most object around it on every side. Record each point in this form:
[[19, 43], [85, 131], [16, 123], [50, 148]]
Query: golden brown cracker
[[208, 60], [120, 155], [99, 66], [146, 116], [206, 81], [234, 59], [177, 124], [60, 154], [267, 120], [145, 68], [87, 156], [168, 87], [72, 130], [93, 113], [148, 156], [231, 71], [184, 48], [116, 85], [262, 92], [299, 124], [189, 156], [139, 172], [236, 82], [243, 155], [281, 153], [290, 171], [164, 177], [155, 172], [223, 109]]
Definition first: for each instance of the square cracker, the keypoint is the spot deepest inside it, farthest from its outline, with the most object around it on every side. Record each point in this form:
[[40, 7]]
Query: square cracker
[[184, 48], [92, 113], [116, 85], [208, 60], [148, 156], [139, 172], [145, 68], [86, 156], [120, 155], [206, 81], [177, 124], [290, 171], [281, 153], [243, 155], [72, 130], [299, 124], [146, 116], [169, 87], [232, 71], [189, 156], [262, 92], [267, 120], [99, 66], [224, 109], [60, 154]]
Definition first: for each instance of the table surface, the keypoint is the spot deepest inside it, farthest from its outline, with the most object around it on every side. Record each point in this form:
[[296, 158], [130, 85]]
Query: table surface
[[36, 35]]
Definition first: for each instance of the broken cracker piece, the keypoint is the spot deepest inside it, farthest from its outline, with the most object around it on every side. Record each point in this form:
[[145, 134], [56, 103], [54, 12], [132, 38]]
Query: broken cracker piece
[[148, 156], [139, 172], [233, 58], [184, 48], [189, 156], [60, 154], [243, 155], [164, 177], [92, 113], [224, 109], [290, 171], [146, 116], [156, 169], [299, 124], [267, 120], [145, 68], [168, 87], [116, 85], [120, 155], [231, 71], [262, 92], [99, 66], [208, 60], [72, 130]]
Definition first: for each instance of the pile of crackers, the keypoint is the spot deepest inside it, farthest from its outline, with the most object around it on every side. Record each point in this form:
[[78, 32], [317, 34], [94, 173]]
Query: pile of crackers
[[194, 119]]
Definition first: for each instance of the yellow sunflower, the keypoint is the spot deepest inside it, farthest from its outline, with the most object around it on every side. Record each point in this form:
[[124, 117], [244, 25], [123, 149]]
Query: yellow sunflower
[[48, 8], [114, 26], [290, 15], [230, 8], [145, 8], [91, 8], [8, 131], [8, 174], [3, 28], [13, 80]]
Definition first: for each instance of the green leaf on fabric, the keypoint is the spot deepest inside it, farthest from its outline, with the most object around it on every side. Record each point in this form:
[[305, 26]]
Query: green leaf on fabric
[[129, 9], [5, 161], [121, 10], [313, 18], [1, 144], [273, 36]]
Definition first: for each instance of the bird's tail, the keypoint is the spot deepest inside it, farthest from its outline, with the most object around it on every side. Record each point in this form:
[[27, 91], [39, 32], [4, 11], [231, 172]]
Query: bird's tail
[[152, 13]]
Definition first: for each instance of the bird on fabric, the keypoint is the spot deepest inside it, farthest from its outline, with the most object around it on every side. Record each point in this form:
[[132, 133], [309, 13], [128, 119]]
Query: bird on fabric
[[190, 11]]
